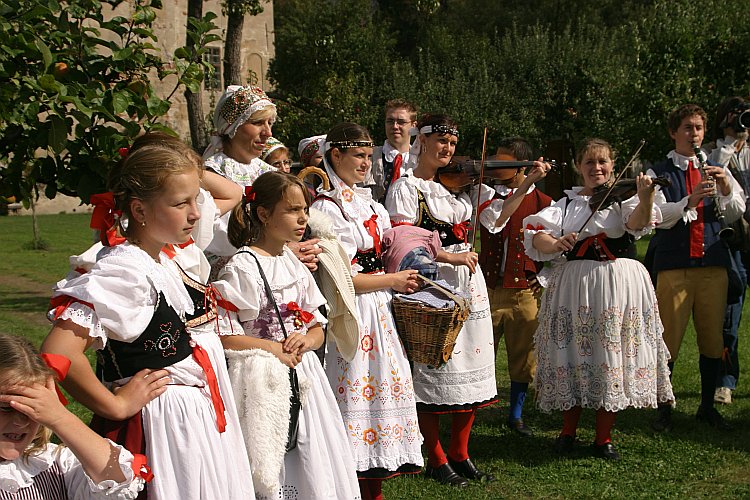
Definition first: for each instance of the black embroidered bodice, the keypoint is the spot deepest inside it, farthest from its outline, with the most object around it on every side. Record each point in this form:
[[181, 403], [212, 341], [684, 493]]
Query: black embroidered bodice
[[164, 342], [369, 260], [426, 220], [203, 306]]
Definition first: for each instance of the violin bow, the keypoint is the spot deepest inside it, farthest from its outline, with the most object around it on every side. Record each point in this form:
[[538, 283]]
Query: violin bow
[[475, 212], [612, 187]]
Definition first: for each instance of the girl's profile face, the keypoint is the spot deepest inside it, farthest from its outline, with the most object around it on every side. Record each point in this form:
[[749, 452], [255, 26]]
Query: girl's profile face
[[352, 165], [288, 220], [17, 431], [596, 167], [170, 216]]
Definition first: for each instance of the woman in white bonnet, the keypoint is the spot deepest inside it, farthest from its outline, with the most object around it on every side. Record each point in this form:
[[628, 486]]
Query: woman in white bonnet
[[243, 120]]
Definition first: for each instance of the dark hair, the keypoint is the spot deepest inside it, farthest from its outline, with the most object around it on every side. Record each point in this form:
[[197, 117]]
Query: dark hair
[[722, 110], [269, 189], [675, 117], [436, 119], [343, 133], [518, 147], [402, 104], [143, 173]]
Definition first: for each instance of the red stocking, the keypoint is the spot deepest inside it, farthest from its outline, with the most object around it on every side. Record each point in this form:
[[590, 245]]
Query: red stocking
[[460, 432], [605, 420], [570, 421], [429, 425]]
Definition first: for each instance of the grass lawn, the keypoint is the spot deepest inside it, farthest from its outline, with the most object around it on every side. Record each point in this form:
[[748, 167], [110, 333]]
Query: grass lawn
[[693, 461]]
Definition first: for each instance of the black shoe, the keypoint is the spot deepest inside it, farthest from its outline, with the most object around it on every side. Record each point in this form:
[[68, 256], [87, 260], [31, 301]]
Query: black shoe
[[446, 475], [663, 422], [518, 427], [564, 444], [468, 470], [713, 418], [606, 451]]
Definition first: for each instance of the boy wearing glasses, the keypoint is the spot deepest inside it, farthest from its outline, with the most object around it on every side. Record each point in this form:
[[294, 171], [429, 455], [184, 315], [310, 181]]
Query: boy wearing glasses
[[389, 162]]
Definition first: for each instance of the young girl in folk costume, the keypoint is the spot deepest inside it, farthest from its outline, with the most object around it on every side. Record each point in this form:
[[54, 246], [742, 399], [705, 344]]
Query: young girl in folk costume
[[321, 465], [133, 305], [31, 466], [599, 340], [374, 389], [467, 381]]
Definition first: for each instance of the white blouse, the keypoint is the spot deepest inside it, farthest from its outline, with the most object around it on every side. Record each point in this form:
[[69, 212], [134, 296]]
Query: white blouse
[[18, 474], [402, 201], [562, 218]]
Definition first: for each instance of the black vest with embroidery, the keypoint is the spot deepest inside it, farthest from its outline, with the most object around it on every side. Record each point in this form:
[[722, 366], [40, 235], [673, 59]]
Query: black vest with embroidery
[[426, 220], [203, 307], [164, 342], [369, 260]]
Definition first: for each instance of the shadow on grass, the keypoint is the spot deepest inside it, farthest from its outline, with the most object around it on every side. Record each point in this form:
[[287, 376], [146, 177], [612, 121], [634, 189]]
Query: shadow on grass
[[24, 301]]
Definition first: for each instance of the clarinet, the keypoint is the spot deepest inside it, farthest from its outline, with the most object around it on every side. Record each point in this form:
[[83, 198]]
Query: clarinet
[[726, 231]]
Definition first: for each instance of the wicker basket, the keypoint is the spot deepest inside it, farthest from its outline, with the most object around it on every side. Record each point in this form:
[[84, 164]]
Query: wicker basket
[[429, 333]]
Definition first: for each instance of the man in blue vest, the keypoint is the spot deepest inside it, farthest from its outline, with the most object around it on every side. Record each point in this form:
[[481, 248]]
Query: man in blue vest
[[689, 259]]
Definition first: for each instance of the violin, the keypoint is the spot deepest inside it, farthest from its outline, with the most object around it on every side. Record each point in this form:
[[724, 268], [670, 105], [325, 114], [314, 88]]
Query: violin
[[624, 189], [463, 172]]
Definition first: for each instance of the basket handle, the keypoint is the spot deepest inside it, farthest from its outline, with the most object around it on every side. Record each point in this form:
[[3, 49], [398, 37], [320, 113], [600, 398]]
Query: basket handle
[[458, 300]]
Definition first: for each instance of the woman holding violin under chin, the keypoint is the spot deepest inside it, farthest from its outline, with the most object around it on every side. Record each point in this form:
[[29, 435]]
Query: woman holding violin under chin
[[467, 381], [599, 340]]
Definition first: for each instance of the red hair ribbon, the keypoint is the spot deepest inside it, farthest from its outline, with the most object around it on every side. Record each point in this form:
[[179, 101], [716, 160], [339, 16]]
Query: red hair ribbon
[[461, 231], [249, 194], [373, 230], [104, 217], [140, 467], [301, 314], [60, 365], [124, 152]]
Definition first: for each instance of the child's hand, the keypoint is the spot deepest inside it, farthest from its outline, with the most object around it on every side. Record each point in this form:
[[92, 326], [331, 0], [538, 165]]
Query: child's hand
[[405, 281], [290, 359], [307, 252], [298, 342], [144, 386], [38, 402]]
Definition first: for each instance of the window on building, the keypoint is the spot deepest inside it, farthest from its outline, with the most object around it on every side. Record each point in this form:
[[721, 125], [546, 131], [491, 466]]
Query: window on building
[[213, 57]]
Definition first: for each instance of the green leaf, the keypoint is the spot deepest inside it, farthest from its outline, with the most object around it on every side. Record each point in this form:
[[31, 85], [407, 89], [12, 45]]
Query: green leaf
[[46, 54], [58, 134], [122, 54], [156, 106], [48, 83], [120, 102]]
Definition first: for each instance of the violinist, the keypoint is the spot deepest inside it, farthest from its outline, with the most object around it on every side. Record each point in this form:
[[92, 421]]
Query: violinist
[[507, 270], [599, 340], [467, 381]]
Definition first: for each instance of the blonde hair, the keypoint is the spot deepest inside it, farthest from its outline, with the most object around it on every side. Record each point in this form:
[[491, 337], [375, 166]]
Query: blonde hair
[[591, 145], [22, 365], [151, 161], [269, 189]]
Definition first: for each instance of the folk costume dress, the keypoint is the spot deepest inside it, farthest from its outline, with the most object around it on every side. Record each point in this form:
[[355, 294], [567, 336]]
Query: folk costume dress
[[467, 380], [56, 473], [137, 310], [599, 340], [374, 390], [321, 466]]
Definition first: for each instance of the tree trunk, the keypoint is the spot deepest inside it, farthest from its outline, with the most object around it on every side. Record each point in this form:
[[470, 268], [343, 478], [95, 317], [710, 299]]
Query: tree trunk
[[198, 130], [233, 44], [36, 241]]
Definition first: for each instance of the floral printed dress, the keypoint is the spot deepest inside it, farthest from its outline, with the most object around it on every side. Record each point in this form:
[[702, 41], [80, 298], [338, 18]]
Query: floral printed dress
[[599, 341], [374, 391]]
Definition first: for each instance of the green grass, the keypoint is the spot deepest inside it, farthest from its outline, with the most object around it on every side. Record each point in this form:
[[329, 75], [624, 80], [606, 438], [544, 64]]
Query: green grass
[[692, 461]]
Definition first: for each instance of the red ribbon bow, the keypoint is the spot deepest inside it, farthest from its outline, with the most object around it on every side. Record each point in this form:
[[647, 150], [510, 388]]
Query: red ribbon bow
[[249, 194], [373, 230], [303, 315], [140, 467], [60, 365], [104, 217], [124, 152], [461, 231]]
